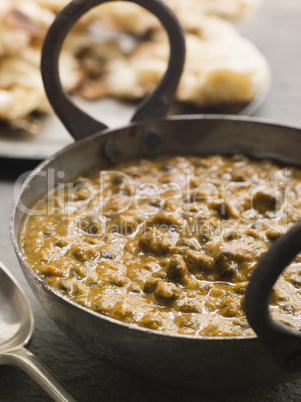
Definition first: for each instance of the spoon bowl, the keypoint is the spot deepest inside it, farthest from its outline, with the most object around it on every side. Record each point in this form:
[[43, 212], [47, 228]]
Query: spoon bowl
[[16, 328], [16, 319]]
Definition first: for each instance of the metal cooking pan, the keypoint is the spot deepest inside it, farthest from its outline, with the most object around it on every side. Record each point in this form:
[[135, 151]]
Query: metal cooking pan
[[195, 362]]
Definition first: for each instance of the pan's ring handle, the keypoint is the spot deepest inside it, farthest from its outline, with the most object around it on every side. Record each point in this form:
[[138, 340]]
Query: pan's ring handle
[[77, 122], [282, 341]]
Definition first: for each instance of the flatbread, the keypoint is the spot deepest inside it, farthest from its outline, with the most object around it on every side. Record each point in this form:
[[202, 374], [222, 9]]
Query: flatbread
[[126, 16], [23, 26], [21, 89], [221, 67], [132, 18]]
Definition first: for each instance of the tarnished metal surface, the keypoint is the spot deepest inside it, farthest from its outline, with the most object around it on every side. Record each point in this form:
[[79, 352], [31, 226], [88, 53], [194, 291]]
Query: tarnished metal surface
[[186, 361]]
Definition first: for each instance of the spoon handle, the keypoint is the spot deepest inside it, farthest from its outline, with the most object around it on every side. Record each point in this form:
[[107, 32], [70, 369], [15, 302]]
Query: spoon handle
[[39, 373]]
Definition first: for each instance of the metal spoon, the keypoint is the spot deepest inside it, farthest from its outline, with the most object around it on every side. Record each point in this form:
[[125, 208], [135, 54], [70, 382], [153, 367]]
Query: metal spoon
[[16, 327]]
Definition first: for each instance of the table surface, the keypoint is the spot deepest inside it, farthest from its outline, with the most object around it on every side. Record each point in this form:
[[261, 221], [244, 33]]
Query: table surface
[[276, 29]]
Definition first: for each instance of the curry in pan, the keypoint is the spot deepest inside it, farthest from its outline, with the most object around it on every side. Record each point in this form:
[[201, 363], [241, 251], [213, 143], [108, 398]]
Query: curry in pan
[[168, 244]]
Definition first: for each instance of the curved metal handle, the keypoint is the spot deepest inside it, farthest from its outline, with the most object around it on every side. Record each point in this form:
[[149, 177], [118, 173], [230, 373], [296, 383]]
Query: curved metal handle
[[283, 342], [77, 122], [36, 369]]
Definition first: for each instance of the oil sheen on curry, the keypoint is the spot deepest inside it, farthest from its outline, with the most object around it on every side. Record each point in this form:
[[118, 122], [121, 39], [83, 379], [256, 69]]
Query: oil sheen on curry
[[168, 244]]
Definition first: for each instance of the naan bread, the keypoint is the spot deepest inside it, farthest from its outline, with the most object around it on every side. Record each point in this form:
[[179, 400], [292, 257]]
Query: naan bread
[[21, 89], [132, 18], [221, 67], [23, 26], [126, 16]]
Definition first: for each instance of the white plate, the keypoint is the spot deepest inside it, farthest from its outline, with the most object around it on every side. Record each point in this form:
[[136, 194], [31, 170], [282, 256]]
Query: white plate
[[53, 136]]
